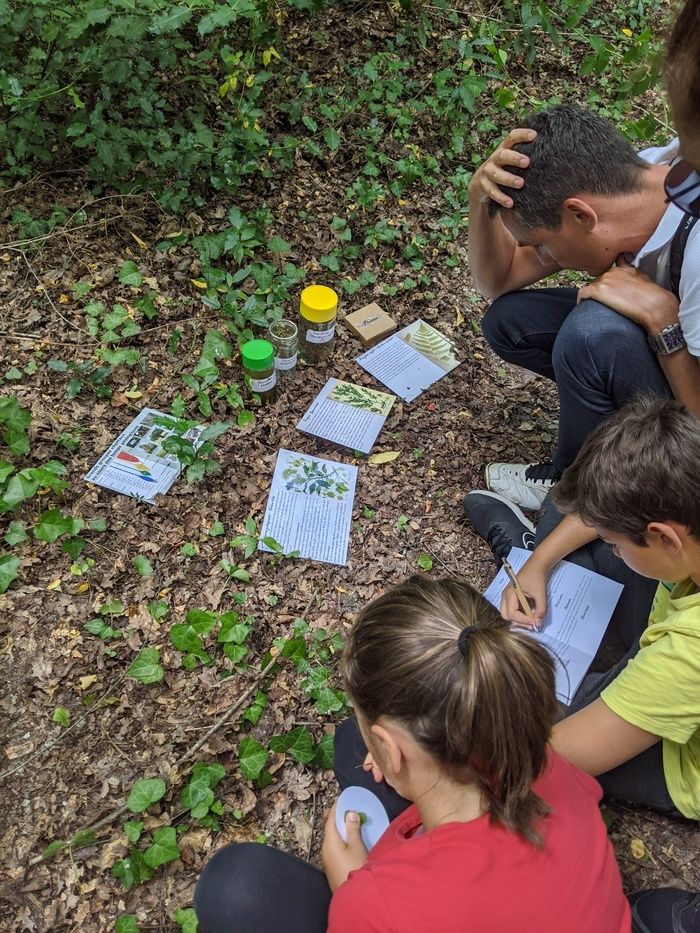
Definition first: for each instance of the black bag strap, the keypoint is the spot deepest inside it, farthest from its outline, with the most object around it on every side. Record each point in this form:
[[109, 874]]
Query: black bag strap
[[680, 238]]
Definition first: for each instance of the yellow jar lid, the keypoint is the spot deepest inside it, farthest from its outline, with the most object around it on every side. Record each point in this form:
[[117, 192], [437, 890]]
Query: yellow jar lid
[[318, 303]]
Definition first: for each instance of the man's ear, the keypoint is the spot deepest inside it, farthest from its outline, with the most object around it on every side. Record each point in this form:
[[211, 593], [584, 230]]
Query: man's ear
[[578, 212], [670, 535], [391, 749]]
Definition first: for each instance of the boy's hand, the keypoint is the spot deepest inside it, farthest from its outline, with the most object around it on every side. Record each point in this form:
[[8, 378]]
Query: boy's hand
[[494, 171], [369, 764], [340, 858], [533, 580], [631, 293]]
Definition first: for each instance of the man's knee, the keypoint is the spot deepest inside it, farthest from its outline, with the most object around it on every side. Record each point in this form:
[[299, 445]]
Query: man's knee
[[502, 322], [597, 331]]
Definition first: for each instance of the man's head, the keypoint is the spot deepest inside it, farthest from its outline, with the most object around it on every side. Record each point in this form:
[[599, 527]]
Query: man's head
[[577, 160], [635, 480]]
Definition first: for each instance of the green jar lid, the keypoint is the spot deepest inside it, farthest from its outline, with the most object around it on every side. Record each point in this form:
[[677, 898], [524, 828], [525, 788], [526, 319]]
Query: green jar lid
[[258, 354]]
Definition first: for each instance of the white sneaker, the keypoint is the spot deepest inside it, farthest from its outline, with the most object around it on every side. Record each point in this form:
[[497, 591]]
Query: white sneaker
[[525, 484]]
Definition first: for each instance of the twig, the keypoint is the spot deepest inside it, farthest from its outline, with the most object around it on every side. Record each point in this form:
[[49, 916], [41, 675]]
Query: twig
[[313, 823], [46, 293]]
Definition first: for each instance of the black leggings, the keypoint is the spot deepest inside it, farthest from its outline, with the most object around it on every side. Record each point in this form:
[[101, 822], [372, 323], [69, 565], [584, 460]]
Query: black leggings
[[251, 888]]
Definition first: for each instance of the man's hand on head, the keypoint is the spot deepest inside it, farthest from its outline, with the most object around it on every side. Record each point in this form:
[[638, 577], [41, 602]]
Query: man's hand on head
[[494, 171], [631, 293]]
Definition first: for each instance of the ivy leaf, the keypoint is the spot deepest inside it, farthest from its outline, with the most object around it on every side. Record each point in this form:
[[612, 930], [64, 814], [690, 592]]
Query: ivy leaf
[[163, 849], [15, 534], [51, 525], [133, 830], [142, 565], [210, 771], [9, 567], [197, 797], [132, 869], [187, 919], [126, 924], [201, 620], [252, 757], [61, 716], [145, 792], [425, 562], [129, 274], [298, 743], [146, 666], [324, 752], [74, 546]]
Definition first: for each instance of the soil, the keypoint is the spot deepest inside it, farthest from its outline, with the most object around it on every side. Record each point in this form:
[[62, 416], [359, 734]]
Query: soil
[[61, 780]]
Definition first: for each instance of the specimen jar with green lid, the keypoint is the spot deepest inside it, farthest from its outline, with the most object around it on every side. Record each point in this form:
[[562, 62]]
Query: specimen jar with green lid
[[259, 367], [318, 310]]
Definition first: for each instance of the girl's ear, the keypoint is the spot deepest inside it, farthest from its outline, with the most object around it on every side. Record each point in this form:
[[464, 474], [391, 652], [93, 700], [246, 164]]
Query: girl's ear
[[670, 535], [388, 741]]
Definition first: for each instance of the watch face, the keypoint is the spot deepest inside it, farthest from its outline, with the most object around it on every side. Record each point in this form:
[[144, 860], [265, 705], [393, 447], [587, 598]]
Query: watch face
[[673, 338]]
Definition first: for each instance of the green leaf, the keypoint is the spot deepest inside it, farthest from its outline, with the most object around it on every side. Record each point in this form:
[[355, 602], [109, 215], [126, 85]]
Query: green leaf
[[126, 924], [244, 418], [146, 666], [142, 565], [13, 374], [53, 847], [51, 525], [74, 546], [213, 431], [276, 245], [163, 849], [216, 530], [324, 752], [256, 708], [128, 275], [188, 549], [187, 919], [15, 534], [133, 830], [170, 21], [201, 620], [298, 743], [197, 797], [114, 607], [331, 138], [145, 792], [158, 609], [61, 716], [252, 757], [425, 562], [132, 869], [209, 771], [9, 567]]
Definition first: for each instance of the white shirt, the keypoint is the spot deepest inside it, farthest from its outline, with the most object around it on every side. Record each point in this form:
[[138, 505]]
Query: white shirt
[[654, 257]]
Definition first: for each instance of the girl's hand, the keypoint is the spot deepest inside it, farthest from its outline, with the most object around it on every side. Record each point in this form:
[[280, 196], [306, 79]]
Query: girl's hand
[[369, 764], [340, 858], [533, 579]]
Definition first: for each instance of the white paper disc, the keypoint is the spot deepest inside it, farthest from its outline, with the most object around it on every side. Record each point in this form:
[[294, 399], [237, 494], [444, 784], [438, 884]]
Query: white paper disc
[[364, 801]]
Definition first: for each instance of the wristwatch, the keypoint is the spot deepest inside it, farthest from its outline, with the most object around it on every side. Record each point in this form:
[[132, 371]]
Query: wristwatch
[[668, 340]]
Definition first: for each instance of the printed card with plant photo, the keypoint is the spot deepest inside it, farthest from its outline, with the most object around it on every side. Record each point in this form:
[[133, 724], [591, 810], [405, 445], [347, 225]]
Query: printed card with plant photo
[[347, 414]]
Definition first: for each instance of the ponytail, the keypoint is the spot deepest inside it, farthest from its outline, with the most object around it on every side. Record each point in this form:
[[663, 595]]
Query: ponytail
[[478, 696]]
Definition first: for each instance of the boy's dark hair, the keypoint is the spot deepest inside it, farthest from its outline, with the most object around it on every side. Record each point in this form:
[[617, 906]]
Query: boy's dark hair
[[642, 465], [683, 62], [575, 152], [485, 716]]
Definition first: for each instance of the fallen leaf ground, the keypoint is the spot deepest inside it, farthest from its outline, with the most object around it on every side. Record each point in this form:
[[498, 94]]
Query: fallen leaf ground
[[60, 780]]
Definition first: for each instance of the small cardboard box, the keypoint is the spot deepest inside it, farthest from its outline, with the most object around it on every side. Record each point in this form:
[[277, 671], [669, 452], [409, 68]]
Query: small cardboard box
[[370, 324]]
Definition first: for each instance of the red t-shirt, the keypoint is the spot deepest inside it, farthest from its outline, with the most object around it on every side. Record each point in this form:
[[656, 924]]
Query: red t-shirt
[[477, 877]]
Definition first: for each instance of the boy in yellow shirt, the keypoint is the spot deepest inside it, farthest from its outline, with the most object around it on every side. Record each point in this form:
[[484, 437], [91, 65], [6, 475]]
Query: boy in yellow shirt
[[634, 484]]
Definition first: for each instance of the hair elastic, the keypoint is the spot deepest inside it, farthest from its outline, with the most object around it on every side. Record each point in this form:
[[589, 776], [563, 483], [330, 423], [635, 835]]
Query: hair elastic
[[463, 638]]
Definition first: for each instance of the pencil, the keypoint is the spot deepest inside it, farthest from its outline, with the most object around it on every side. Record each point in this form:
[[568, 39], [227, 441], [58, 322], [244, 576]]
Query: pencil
[[519, 592]]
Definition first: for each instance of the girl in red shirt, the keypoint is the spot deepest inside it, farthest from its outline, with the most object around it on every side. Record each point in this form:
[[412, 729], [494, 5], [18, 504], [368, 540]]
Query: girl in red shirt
[[494, 831]]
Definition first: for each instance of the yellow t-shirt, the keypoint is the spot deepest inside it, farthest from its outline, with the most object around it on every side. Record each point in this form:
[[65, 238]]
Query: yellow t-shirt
[[659, 689]]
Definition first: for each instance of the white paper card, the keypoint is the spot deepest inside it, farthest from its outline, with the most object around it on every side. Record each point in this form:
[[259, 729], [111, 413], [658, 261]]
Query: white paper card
[[361, 800], [579, 606], [136, 464], [411, 360], [309, 508], [347, 414]]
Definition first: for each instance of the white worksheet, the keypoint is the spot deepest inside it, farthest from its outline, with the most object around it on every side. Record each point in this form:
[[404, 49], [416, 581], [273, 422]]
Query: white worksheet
[[347, 414], [411, 360], [579, 606], [309, 508], [135, 464]]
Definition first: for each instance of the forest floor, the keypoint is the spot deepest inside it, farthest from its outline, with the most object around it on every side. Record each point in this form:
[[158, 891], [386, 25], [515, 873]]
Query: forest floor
[[61, 779]]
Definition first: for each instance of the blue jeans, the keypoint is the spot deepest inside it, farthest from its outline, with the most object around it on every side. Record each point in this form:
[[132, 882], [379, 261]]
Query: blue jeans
[[599, 359]]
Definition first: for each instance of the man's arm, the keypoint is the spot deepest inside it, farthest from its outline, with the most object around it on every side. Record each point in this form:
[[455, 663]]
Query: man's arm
[[595, 739], [496, 261]]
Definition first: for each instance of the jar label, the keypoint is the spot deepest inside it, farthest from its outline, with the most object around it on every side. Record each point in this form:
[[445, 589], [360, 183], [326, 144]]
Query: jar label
[[320, 336], [288, 363], [263, 385]]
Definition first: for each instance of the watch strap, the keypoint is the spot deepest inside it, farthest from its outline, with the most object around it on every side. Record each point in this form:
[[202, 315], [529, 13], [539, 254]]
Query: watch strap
[[667, 341]]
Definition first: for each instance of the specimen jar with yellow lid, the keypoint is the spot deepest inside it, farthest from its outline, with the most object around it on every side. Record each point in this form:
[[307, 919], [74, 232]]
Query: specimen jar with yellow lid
[[318, 309]]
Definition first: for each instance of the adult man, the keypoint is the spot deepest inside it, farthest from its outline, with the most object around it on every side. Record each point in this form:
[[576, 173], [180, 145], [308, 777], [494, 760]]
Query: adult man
[[566, 191]]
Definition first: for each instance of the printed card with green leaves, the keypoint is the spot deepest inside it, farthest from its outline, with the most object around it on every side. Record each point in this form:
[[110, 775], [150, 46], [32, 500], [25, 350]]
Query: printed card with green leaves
[[347, 414], [411, 360]]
